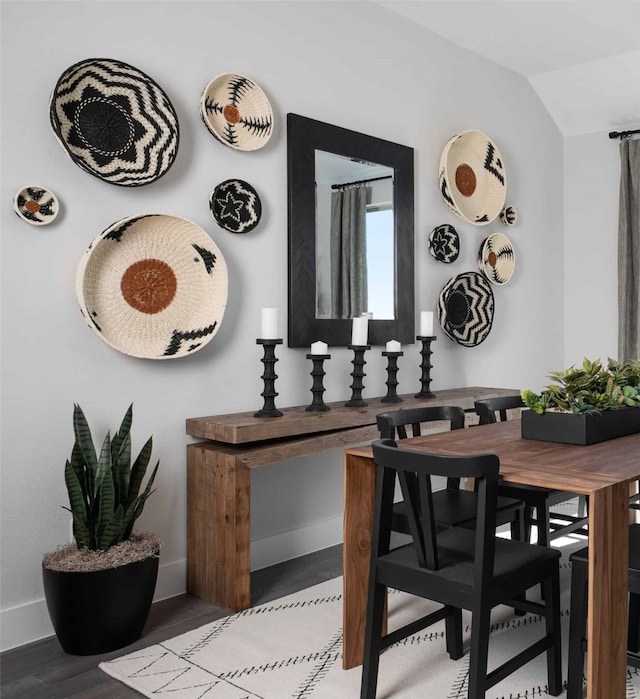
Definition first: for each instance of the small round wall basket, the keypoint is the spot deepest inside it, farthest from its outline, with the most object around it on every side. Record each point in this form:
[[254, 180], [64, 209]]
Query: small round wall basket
[[497, 258], [237, 112], [472, 177], [465, 308], [36, 205], [153, 286], [444, 243], [236, 206], [114, 121]]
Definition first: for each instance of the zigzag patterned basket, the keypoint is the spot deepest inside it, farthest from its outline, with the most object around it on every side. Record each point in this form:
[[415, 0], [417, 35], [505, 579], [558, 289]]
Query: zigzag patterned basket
[[114, 121], [153, 286]]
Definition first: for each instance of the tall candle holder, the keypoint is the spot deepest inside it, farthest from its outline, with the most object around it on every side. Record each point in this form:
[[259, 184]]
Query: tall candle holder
[[269, 377], [426, 366], [392, 382], [358, 374], [318, 373]]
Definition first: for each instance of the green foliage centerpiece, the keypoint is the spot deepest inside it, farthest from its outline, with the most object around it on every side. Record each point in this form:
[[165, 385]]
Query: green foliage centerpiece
[[585, 404], [99, 589]]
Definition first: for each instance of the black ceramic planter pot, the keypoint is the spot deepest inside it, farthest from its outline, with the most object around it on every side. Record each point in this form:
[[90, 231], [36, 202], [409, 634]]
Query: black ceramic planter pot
[[100, 611]]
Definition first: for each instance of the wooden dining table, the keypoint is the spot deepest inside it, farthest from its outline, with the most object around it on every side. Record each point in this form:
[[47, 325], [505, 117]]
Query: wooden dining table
[[603, 471]]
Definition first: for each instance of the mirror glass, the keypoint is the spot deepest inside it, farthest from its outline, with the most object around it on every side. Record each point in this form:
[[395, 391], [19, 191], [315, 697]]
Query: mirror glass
[[350, 235], [354, 238]]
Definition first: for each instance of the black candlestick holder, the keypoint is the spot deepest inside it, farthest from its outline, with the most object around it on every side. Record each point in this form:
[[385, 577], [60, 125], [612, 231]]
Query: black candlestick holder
[[426, 366], [392, 382], [269, 377], [358, 374], [318, 372]]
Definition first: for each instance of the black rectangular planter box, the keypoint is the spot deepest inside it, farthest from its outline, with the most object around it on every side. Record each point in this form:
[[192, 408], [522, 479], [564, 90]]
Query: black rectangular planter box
[[570, 428]]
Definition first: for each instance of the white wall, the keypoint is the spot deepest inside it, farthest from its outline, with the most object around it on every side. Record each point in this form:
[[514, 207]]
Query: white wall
[[590, 249], [363, 69]]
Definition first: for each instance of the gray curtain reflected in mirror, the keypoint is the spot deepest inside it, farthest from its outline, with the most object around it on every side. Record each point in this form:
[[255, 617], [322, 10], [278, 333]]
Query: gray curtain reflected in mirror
[[349, 251]]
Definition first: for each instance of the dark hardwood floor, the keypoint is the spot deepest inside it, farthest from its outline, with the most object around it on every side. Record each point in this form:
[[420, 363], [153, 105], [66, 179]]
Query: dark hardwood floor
[[42, 670]]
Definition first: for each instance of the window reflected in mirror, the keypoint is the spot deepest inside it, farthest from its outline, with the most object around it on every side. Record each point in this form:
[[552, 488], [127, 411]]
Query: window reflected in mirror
[[355, 242]]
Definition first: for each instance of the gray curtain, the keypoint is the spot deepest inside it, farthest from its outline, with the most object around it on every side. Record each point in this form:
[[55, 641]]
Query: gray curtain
[[349, 252], [629, 252]]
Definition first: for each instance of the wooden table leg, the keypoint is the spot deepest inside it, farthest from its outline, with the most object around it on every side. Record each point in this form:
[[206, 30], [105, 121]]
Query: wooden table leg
[[218, 528], [608, 574], [359, 494]]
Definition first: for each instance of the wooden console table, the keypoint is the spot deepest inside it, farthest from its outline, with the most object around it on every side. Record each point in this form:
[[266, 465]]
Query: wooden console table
[[219, 477]]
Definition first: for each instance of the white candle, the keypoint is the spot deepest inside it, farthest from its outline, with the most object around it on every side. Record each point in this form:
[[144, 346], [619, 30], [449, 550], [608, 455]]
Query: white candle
[[269, 324], [426, 324], [393, 346], [360, 331], [319, 347]]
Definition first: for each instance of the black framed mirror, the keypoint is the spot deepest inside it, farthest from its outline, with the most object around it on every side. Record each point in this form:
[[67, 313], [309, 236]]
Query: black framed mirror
[[322, 161]]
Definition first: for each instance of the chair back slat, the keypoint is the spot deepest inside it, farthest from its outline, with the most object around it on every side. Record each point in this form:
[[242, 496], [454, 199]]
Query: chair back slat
[[394, 422], [487, 408], [414, 471]]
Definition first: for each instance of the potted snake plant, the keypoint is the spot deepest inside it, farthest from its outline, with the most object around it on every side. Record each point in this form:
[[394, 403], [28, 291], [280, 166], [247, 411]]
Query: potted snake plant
[[99, 589], [585, 405]]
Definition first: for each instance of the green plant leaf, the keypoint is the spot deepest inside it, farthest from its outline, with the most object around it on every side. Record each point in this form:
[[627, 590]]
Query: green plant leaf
[[112, 533], [138, 470], [84, 440]]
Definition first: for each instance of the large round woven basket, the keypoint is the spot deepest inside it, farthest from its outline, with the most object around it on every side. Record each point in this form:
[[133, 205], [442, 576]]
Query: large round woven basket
[[472, 177], [114, 121], [497, 258], [237, 112], [153, 286], [465, 308]]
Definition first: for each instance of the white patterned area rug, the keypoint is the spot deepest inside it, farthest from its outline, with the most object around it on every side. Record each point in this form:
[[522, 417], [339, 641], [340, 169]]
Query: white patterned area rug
[[292, 649]]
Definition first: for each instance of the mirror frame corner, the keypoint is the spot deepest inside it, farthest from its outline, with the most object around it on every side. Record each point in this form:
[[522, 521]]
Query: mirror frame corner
[[304, 137]]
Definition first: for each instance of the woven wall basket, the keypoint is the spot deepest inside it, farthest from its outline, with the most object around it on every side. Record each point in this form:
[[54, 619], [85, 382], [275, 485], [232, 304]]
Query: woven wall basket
[[465, 308], [237, 112], [472, 177], [153, 286], [36, 205], [235, 206], [444, 243], [497, 258], [114, 121]]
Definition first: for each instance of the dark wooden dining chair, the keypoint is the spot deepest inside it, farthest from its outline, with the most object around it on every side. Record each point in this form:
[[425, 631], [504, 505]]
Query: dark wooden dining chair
[[537, 499], [578, 614], [453, 506], [458, 568]]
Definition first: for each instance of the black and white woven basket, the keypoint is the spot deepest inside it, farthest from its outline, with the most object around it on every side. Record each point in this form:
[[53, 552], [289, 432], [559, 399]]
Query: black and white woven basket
[[497, 258], [153, 286], [36, 205], [114, 121], [236, 206], [237, 112], [444, 243], [465, 308], [472, 177]]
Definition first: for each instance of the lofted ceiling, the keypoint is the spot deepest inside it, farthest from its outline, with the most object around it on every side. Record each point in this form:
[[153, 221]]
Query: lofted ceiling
[[582, 57]]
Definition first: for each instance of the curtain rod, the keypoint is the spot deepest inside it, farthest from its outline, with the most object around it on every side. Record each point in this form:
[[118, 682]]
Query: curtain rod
[[622, 134], [350, 184]]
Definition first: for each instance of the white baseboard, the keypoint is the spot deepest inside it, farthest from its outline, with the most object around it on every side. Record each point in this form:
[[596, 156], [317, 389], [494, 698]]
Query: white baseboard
[[298, 542], [30, 622]]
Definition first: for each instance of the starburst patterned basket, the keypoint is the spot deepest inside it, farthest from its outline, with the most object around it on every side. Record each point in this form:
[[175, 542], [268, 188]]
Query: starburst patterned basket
[[472, 177], [114, 121], [153, 286], [444, 243], [497, 258], [36, 205], [236, 206], [465, 308], [237, 112]]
